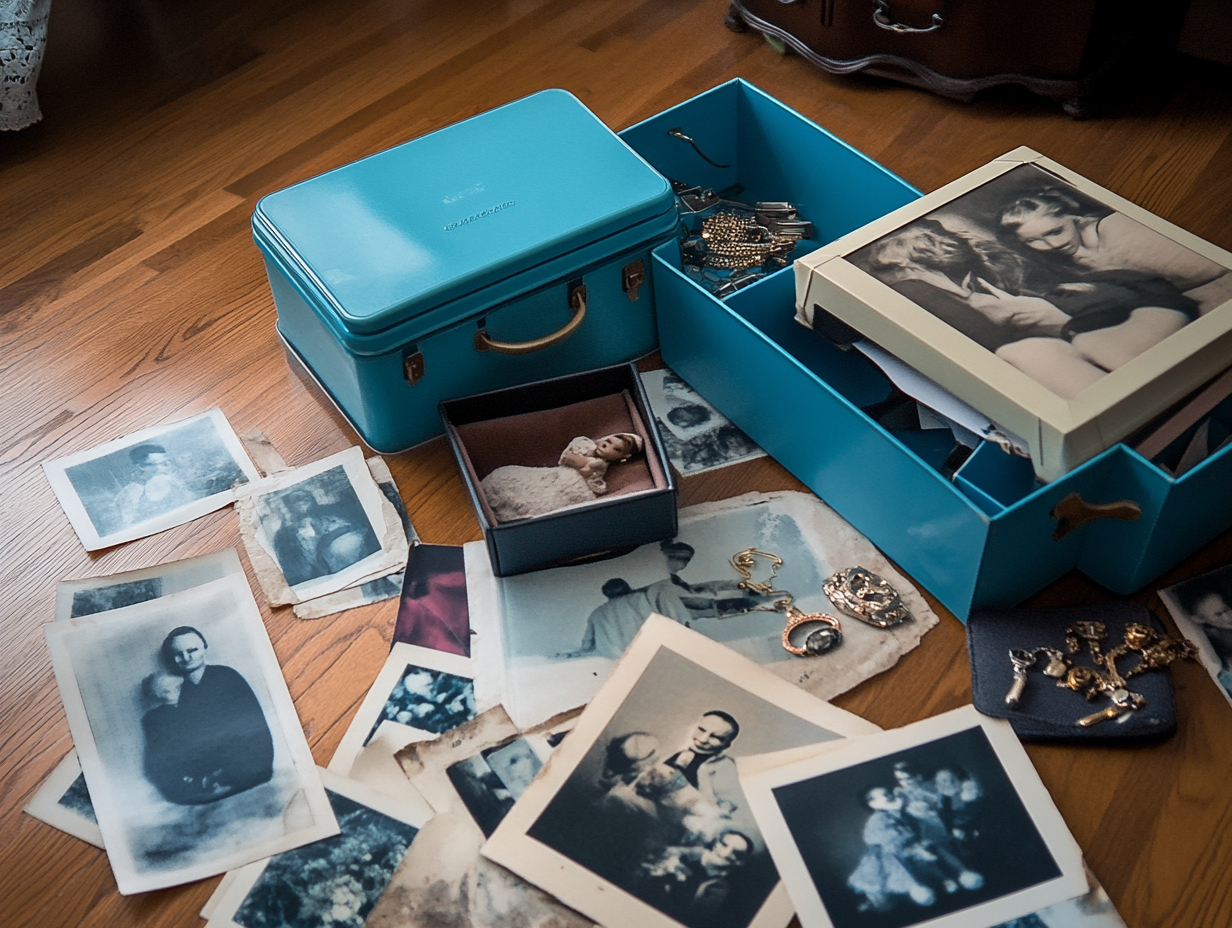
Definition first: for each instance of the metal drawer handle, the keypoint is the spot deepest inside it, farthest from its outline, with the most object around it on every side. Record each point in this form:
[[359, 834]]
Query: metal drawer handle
[[577, 303], [1073, 512], [885, 20]]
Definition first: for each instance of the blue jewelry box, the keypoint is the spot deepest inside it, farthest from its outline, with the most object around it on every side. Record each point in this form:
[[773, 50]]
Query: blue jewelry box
[[504, 249], [991, 534]]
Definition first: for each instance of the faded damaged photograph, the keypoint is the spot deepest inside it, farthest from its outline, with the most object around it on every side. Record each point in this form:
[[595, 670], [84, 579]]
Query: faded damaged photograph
[[655, 806], [696, 436], [490, 782], [318, 527]]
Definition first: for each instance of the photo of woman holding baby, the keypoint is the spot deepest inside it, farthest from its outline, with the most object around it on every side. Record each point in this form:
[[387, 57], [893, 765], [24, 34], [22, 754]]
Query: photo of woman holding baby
[[1052, 281], [206, 737]]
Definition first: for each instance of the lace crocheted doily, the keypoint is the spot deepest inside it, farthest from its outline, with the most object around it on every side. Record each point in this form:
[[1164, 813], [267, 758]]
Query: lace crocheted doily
[[23, 36]]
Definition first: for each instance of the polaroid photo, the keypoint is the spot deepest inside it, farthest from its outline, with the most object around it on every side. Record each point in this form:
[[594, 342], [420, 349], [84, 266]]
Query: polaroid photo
[[434, 611], [431, 691], [319, 529], [545, 641], [150, 480], [942, 823], [336, 881], [195, 759], [63, 802], [697, 436], [640, 818], [1202, 610], [77, 598]]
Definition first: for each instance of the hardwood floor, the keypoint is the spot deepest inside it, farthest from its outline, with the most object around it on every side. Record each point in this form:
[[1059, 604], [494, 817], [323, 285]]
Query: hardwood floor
[[131, 293]]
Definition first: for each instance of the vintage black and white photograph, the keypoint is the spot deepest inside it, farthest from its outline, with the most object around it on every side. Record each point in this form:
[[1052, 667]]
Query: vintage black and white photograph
[[194, 757], [696, 436], [640, 818], [332, 883], [490, 782], [76, 598], [1066, 314], [63, 802], [546, 640], [944, 822], [1062, 286], [1202, 610], [431, 691], [150, 480], [319, 529]]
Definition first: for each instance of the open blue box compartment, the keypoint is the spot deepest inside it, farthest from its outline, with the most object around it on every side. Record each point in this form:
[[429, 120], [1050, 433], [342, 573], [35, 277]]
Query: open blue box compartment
[[991, 536]]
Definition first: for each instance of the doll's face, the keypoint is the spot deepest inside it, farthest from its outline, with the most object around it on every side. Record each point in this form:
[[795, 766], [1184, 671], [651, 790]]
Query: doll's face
[[613, 448]]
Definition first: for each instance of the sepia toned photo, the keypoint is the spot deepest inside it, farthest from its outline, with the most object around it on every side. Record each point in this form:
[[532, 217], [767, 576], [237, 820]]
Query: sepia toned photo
[[697, 436], [333, 882], [319, 529], [640, 818], [1202, 610], [943, 822], [432, 691], [546, 640], [190, 745], [151, 480]]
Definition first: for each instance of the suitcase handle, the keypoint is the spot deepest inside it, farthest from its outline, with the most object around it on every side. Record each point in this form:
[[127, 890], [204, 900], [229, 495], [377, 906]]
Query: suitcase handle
[[577, 303], [884, 20]]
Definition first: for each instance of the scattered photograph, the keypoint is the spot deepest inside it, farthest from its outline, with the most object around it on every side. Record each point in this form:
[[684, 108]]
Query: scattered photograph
[[195, 759], [640, 817], [380, 588], [1202, 610], [319, 529], [944, 822], [484, 766], [434, 612], [376, 765], [432, 691], [63, 802], [1063, 287], [331, 883], [697, 436], [76, 598], [150, 480], [546, 640]]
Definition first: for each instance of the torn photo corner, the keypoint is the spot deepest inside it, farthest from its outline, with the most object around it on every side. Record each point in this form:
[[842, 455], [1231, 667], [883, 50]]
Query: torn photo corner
[[545, 641], [150, 480], [640, 806], [190, 745], [943, 823], [318, 529]]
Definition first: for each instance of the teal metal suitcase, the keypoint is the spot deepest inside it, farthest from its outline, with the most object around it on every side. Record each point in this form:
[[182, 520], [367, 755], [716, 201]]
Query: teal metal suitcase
[[505, 249]]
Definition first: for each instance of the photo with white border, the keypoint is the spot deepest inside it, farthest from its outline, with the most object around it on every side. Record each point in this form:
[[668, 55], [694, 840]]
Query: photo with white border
[[1202, 610], [77, 598], [150, 480], [639, 818], [63, 802], [194, 756], [943, 823]]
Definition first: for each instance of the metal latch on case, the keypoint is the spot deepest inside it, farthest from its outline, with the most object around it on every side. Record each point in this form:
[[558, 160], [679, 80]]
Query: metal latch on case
[[413, 367], [632, 276]]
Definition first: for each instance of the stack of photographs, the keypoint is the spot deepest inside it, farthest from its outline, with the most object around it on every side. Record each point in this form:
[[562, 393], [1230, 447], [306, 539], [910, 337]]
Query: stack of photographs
[[194, 758]]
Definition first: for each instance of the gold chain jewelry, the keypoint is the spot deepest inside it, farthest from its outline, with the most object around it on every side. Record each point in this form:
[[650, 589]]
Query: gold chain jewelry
[[735, 243], [819, 641]]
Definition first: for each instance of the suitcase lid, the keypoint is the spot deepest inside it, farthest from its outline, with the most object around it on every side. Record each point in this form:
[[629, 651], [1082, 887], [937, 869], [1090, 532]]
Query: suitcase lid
[[399, 233]]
